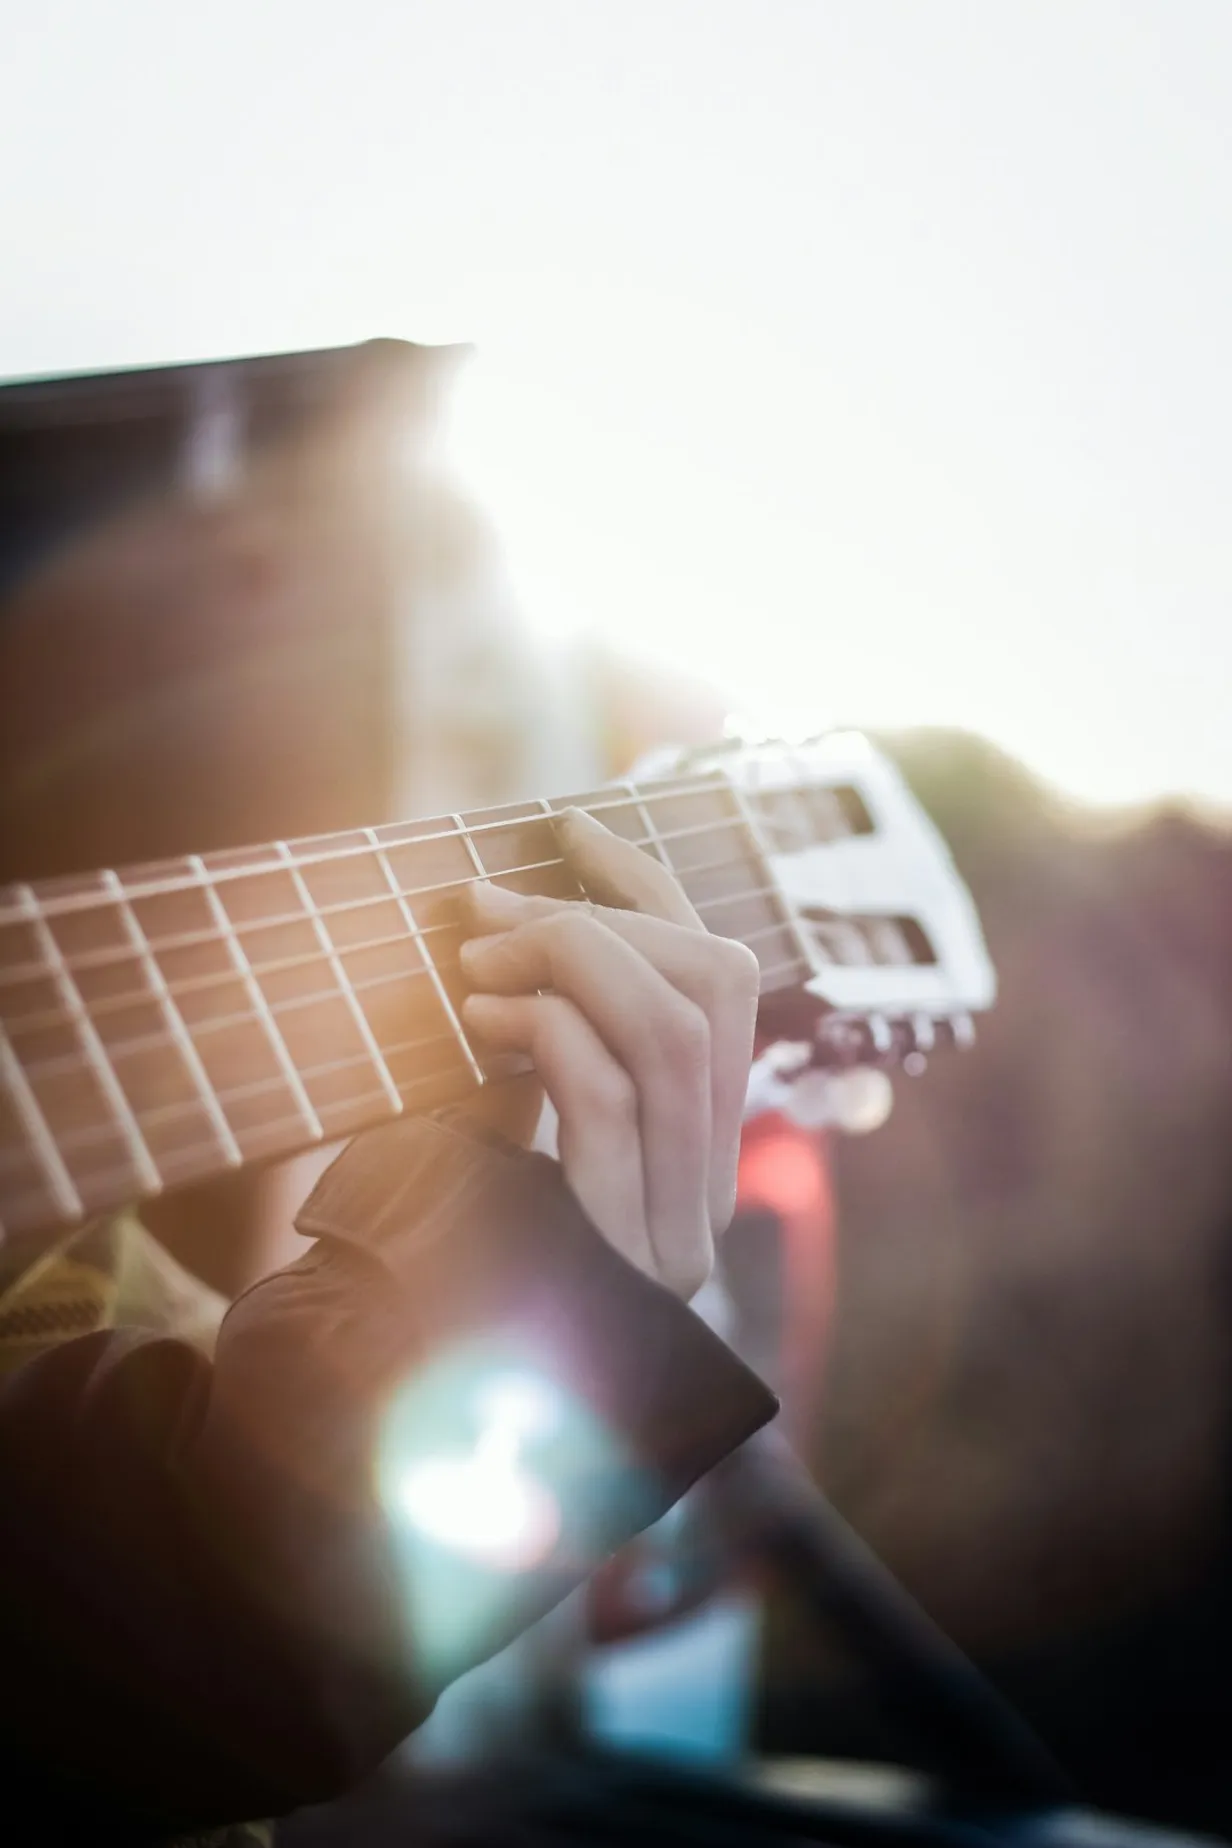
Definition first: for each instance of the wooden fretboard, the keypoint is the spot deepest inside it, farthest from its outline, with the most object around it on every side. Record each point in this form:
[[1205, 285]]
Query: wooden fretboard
[[181, 1018]]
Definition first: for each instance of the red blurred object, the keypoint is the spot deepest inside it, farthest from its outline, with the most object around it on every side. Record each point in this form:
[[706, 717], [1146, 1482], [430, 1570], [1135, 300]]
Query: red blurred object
[[784, 1170]]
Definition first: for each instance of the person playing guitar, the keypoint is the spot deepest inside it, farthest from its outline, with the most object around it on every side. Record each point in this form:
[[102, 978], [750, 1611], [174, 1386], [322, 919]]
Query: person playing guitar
[[227, 1584], [201, 1616]]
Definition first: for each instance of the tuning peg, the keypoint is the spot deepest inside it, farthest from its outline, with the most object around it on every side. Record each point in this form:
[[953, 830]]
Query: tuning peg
[[881, 1037], [924, 1032], [841, 1042]]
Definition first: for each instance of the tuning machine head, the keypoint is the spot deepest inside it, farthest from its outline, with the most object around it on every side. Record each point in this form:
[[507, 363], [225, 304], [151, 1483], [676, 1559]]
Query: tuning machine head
[[840, 1078], [842, 1042]]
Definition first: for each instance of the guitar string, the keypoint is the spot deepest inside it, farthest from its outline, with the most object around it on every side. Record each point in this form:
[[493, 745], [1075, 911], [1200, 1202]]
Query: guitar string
[[794, 968], [147, 1042], [135, 959], [630, 799], [115, 955], [232, 1094], [641, 799], [285, 1132]]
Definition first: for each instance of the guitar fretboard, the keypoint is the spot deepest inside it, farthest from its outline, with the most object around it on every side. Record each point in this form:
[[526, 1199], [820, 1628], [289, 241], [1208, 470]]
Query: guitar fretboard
[[181, 1018]]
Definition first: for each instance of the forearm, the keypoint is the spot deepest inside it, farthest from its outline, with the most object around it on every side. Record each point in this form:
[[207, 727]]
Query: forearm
[[211, 1611]]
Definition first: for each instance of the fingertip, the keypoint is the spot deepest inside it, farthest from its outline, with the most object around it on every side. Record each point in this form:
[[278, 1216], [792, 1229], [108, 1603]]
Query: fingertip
[[577, 820], [484, 1012], [582, 838], [485, 901], [609, 865], [619, 872], [481, 958]]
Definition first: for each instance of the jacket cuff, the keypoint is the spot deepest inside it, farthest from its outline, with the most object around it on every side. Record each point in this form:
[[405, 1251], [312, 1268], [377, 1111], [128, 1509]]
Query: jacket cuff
[[487, 1241]]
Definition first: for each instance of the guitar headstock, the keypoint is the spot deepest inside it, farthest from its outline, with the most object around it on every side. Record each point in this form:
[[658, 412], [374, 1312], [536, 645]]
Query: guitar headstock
[[889, 936]]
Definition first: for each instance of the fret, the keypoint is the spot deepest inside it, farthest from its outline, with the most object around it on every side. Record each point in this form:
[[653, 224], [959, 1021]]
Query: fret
[[517, 848], [427, 856], [438, 909], [393, 974], [690, 824], [151, 1072], [181, 1038], [472, 853], [36, 1185], [295, 973], [224, 1020], [147, 1178], [518, 841], [615, 806], [340, 976], [626, 817], [649, 827], [258, 1006], [520, 852], [37, 1145], [248, 1079], [65, 1085], [512, 846], [771, 956], [432, 866], [429, 962]]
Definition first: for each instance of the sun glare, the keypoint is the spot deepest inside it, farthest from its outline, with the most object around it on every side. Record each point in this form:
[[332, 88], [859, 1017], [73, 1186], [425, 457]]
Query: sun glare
[[484, 1504], [731, 547]]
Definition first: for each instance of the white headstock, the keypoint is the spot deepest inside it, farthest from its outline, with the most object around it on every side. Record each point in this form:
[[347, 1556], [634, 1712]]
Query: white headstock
[[880, 858], [883, 919]]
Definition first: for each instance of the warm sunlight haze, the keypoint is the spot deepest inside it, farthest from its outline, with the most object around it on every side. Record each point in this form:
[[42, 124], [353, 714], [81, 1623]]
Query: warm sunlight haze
[[872, 360]]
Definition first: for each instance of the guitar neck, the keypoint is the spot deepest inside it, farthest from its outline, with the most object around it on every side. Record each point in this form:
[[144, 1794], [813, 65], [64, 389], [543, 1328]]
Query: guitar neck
[[163, 1025]]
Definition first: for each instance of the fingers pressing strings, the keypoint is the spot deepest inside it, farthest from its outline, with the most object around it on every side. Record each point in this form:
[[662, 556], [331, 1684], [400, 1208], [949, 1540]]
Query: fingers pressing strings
[[716, 975], [641, 900], [654, 1034], [618, 873], [640, 1025], [596, 1102]]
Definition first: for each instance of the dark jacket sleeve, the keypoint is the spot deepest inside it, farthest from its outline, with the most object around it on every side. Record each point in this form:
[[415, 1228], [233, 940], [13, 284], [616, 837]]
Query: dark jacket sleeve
[[214, 1603]]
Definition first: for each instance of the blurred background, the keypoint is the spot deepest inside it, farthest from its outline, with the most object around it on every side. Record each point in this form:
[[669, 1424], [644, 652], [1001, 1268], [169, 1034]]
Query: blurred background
[[832, 363]]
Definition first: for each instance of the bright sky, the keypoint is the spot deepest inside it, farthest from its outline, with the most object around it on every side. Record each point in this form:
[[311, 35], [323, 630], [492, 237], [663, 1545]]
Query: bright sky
[[872, 354]]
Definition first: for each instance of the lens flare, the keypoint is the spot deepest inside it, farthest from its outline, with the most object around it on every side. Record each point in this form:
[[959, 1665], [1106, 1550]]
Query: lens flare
[[483, 1503]]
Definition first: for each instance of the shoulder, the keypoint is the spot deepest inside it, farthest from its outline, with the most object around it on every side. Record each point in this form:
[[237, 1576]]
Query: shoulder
[[111, 1274]]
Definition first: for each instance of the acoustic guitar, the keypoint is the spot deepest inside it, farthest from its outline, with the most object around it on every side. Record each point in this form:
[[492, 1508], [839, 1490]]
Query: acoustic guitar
[[166, 1022]]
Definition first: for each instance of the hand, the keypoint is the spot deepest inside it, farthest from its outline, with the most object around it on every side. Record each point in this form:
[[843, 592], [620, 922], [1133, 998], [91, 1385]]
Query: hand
[[640, 1026]]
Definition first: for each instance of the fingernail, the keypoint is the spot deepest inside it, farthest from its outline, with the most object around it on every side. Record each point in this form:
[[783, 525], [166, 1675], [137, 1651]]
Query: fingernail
[[578, 832], [476, 1007], [479, 1016], [495, 899], [578, 818], [472, 951]]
